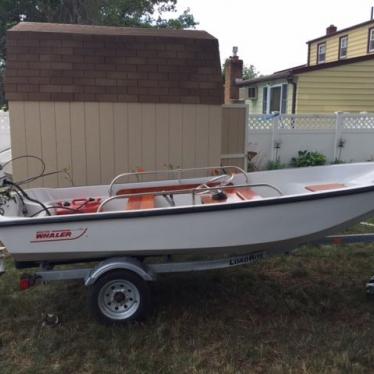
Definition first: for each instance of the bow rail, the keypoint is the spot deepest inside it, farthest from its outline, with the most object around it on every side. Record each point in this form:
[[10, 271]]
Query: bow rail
[[193, 191]]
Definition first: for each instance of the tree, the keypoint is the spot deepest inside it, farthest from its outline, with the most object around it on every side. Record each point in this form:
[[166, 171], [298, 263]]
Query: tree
[[250, 72], [136, 13], [139, 13]]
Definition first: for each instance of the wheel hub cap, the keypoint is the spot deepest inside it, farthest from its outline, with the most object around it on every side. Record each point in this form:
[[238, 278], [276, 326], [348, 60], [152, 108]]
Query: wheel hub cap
[[119, 299]]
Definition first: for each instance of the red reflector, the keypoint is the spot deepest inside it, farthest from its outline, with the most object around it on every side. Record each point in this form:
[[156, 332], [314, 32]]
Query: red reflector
[[24, 284]]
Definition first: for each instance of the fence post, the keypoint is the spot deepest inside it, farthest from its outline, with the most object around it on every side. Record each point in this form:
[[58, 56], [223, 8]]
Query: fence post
[[275, 123], [246, 138], [338, 126]]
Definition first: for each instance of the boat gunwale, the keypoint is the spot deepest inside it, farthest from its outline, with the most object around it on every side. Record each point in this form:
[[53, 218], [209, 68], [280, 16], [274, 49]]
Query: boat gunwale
[[71, 218]]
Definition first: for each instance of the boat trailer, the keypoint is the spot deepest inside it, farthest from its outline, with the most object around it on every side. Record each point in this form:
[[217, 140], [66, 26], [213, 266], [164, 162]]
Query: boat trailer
[[119, 287]]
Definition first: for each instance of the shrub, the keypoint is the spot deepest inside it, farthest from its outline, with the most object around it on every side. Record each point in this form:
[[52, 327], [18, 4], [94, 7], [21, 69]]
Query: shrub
[[306, 158], [275, 165], [337, 162]]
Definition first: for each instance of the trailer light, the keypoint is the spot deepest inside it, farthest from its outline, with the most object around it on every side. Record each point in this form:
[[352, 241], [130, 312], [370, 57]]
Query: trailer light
[[24, 284], [27, 281]]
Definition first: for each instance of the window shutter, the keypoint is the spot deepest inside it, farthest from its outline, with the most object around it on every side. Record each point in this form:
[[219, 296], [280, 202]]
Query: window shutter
[[371, 40], [284, 98], [264, 99]]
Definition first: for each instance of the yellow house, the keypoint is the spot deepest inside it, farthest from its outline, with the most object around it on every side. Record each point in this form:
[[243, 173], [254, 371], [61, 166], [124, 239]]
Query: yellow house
[[338, 77]]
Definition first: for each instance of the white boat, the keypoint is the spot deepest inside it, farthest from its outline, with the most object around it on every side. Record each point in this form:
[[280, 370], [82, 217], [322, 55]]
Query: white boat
[[221, 210]]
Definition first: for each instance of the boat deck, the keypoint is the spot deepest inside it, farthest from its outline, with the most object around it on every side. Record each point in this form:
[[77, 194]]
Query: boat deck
[[232, 186], [163, 197]]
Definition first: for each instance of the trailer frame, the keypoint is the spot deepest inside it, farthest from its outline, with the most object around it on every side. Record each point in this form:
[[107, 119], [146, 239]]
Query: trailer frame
[[138, 274]]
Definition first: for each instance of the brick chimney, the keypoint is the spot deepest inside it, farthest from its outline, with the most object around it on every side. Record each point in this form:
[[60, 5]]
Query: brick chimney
[[332, 29], [233, 70]]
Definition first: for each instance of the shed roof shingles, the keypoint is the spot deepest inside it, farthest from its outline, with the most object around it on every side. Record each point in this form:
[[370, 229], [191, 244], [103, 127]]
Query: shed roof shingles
[[108, 30], [112, 63]]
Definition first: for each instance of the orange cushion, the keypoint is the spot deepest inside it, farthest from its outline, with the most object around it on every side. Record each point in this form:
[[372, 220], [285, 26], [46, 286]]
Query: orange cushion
[[324, 187], [147, 202], [246, 193], [141, 202]]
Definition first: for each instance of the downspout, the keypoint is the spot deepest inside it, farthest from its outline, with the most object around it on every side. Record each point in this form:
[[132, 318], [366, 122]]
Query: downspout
[[294, 92]]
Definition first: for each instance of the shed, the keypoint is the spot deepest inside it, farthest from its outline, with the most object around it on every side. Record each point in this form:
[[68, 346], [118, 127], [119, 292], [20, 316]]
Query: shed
[[101, 100]]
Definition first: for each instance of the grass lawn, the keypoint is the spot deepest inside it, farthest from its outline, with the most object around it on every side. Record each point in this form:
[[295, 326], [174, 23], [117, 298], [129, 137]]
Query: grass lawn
[[303, 313]]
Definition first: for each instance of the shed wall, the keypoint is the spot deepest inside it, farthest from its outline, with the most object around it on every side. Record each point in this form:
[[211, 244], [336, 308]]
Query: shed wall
[[96, 141]]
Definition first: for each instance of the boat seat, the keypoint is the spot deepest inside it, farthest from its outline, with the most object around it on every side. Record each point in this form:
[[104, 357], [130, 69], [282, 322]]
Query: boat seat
[[141, 202], [324, 187], [246, 194], [233, 195], [169, 188]]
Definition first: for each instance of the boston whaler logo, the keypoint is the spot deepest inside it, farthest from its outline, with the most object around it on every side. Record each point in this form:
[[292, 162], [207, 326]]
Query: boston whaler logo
[[58, 235]]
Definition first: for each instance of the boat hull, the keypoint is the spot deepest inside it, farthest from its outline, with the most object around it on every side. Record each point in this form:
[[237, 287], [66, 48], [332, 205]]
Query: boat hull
[[231, 228]]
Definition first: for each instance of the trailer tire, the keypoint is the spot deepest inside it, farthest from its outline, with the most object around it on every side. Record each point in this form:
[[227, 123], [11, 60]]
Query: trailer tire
[[119, 296]]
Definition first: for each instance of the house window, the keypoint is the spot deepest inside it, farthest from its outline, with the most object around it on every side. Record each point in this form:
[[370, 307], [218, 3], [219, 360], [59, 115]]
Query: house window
[[321, 53], [275, 99], [284, 98], [371, 40], [252, 93], [343, 47]]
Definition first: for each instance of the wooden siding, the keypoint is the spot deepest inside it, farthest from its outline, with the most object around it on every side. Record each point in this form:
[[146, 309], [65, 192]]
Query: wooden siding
[[96, 141], [255, 106], [234, 120], [348, 88], [357, 44]]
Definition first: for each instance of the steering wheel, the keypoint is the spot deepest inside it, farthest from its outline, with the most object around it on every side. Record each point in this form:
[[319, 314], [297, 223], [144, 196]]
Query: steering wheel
[[223, 179]]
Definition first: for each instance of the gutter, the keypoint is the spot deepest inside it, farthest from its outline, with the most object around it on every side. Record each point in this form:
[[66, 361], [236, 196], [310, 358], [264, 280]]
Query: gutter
[[290, 80]]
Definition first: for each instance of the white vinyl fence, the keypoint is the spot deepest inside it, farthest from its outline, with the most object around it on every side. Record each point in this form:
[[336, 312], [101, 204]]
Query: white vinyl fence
[[5, 153], [345, 137]]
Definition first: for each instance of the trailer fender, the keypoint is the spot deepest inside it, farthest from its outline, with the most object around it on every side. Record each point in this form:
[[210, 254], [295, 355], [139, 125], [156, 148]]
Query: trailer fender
[[120, 263]]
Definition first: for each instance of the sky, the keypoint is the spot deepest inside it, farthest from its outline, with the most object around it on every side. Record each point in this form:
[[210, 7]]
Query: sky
[[271, 34]]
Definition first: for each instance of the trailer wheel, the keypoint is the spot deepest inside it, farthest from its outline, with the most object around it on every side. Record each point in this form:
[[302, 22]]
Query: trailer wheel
[[119, 296]]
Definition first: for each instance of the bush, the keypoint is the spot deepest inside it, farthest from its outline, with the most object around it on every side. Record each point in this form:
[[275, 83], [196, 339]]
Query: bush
[[337, 162], [306, 158], [275, 165]]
